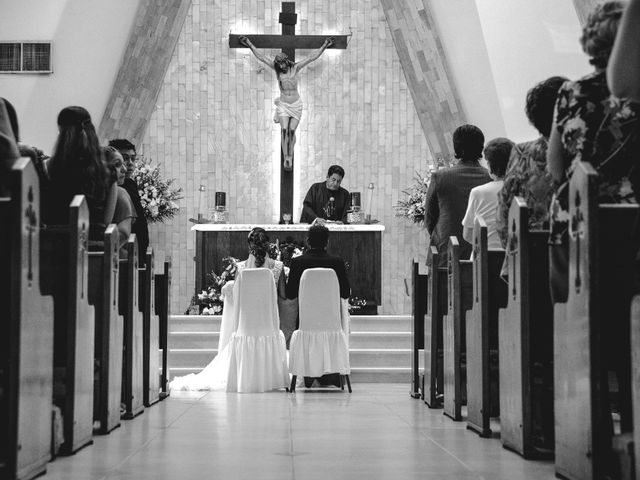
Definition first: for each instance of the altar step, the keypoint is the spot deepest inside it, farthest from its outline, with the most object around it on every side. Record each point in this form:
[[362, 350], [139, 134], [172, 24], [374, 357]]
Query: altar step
[[379, 350]]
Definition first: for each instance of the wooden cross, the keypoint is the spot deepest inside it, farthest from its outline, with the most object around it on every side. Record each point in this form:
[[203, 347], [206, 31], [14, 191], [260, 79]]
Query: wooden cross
[[31, 227], [289, 42]]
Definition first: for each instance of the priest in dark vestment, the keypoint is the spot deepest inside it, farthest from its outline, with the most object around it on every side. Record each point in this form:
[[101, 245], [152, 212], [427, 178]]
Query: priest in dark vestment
[[327, 200]]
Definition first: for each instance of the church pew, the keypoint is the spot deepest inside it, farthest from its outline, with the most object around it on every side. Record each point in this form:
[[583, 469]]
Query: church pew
[[635, 377], [591, 328], [162, 306], [459, 301], [419, 280], [64, 272], [489, 295], [436, 309], [150, 332], [103, 295], [129, 308], [525, 333], [26, 331]]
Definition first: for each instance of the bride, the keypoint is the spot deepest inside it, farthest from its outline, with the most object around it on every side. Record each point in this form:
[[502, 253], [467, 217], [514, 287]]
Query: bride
[[214, 375]]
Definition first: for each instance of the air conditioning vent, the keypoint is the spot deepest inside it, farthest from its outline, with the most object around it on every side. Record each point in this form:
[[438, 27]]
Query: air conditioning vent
[[25, 57]]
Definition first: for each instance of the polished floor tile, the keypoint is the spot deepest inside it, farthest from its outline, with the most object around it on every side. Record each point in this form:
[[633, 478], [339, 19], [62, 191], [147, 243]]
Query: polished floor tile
[[377, 432]]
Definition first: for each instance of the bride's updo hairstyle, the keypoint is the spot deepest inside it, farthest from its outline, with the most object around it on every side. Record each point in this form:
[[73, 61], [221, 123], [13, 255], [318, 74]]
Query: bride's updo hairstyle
[[258, 245]]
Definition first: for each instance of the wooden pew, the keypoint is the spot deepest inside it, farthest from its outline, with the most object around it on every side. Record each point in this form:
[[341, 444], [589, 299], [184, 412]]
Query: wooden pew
[[163, 306], [459, 294], [489, 295], [436, 308], [26, 332], [128, 296], [64, 273], [419, 307], [103, 295], [635, 377], [597, 311], [150, 332], [526, 334]]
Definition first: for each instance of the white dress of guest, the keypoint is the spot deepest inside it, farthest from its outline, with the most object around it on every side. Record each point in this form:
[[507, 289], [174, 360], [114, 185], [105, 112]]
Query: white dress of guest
[[483, 201], [214, 375]]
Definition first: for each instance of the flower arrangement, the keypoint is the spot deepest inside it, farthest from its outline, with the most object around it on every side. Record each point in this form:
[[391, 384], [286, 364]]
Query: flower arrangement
[[412, 206], [209, 301], [286, 250], [157, 195]]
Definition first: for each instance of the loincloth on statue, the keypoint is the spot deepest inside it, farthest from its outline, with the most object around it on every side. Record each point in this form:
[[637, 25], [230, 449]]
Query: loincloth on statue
[[284, 109]]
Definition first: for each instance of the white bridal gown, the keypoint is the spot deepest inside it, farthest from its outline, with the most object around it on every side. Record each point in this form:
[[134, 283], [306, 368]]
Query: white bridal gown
[[216, 375]]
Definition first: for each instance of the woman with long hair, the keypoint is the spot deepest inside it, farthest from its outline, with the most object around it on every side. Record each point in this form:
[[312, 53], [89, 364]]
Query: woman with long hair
[[77, 167]]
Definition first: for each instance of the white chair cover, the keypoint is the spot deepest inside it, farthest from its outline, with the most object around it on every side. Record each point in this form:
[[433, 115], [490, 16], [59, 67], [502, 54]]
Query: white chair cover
[[320, 344], [257, 352]]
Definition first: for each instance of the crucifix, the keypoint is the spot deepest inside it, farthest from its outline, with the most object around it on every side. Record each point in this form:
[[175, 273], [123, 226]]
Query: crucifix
[[286, 70]]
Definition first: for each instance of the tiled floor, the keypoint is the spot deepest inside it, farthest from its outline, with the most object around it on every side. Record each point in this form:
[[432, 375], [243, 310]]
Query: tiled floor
[[377, 432]]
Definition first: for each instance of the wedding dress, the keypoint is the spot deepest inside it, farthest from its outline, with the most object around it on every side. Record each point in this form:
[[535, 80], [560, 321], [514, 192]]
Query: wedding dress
[[215, 375]]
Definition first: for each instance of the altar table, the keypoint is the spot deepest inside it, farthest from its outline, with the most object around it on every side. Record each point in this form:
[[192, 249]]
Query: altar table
[[358, 245]]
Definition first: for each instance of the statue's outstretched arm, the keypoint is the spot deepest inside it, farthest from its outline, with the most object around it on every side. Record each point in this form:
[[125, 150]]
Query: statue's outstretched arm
[[259, 55], [316, 54]]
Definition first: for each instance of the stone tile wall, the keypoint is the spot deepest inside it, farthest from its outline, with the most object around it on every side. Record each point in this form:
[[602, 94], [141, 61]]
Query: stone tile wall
[[212, 125]]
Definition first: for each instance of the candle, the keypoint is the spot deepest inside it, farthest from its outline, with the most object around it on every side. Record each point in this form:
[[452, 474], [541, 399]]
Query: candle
[[369, 201], [221, 200]]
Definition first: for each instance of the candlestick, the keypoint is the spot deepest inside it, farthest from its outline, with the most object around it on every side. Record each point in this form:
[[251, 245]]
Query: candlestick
[[369, 202]]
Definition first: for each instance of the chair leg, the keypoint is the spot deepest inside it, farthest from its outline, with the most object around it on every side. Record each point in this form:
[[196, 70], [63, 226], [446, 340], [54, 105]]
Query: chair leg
[[348, 383], [293, 384], [341, 382]]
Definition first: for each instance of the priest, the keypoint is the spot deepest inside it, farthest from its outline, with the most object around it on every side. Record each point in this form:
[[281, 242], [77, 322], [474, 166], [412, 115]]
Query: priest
[[327, 200]]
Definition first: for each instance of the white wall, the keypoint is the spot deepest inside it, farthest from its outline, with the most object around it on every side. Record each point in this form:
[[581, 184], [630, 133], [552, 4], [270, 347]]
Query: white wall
[[459, 27], [88, 39], [528, 41]]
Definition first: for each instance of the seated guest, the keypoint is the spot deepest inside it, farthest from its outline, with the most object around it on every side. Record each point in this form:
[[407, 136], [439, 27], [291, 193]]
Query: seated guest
[[124, 212], [592, 126], [317, 257], [483, 199], [139, 226], [8, 149], [77, 167], [327, 200], [527, 174], [449, 189]]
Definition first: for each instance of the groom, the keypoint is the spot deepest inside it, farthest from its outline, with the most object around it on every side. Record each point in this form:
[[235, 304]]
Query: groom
[[317, 256]]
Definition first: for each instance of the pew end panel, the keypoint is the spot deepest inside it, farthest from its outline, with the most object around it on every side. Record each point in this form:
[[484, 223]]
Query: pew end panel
[[419, 300], [592, 337], [459, 292], [635, 377], [526, 336], [150, 332], [489, 294], [26, 333], [103, 294], [433, 333], [162, 305], [132, 371]]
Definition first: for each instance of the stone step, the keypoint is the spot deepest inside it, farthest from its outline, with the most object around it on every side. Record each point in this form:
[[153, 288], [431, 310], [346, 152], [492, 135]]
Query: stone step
[[192, 358], [188, 340], [358, 375], [359, 323], [380, 340]]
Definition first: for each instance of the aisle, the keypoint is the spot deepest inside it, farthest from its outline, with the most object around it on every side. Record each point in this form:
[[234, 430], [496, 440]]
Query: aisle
[[378, 432]]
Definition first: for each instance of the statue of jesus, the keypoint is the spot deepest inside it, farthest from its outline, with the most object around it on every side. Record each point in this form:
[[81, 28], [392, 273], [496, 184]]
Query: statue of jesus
[[289, 104]]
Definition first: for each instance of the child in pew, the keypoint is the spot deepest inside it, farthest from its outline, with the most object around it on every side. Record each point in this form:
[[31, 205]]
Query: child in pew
[[483, 199], [77, 167], [124, 214]]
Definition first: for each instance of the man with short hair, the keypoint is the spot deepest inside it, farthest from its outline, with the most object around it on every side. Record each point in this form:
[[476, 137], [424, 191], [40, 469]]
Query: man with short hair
[[317, 257], [139, 227], [327, 200]]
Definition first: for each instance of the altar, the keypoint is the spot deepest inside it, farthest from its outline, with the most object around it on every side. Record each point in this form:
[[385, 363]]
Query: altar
[[360, 246]]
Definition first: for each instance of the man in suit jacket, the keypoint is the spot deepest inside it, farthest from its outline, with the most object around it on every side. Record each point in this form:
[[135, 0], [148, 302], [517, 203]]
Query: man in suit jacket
[[448, 192], [315, 257]]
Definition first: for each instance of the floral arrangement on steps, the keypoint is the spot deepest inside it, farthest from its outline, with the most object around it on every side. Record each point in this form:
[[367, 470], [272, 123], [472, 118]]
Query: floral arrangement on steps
[[157, 195], [412, 206]]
